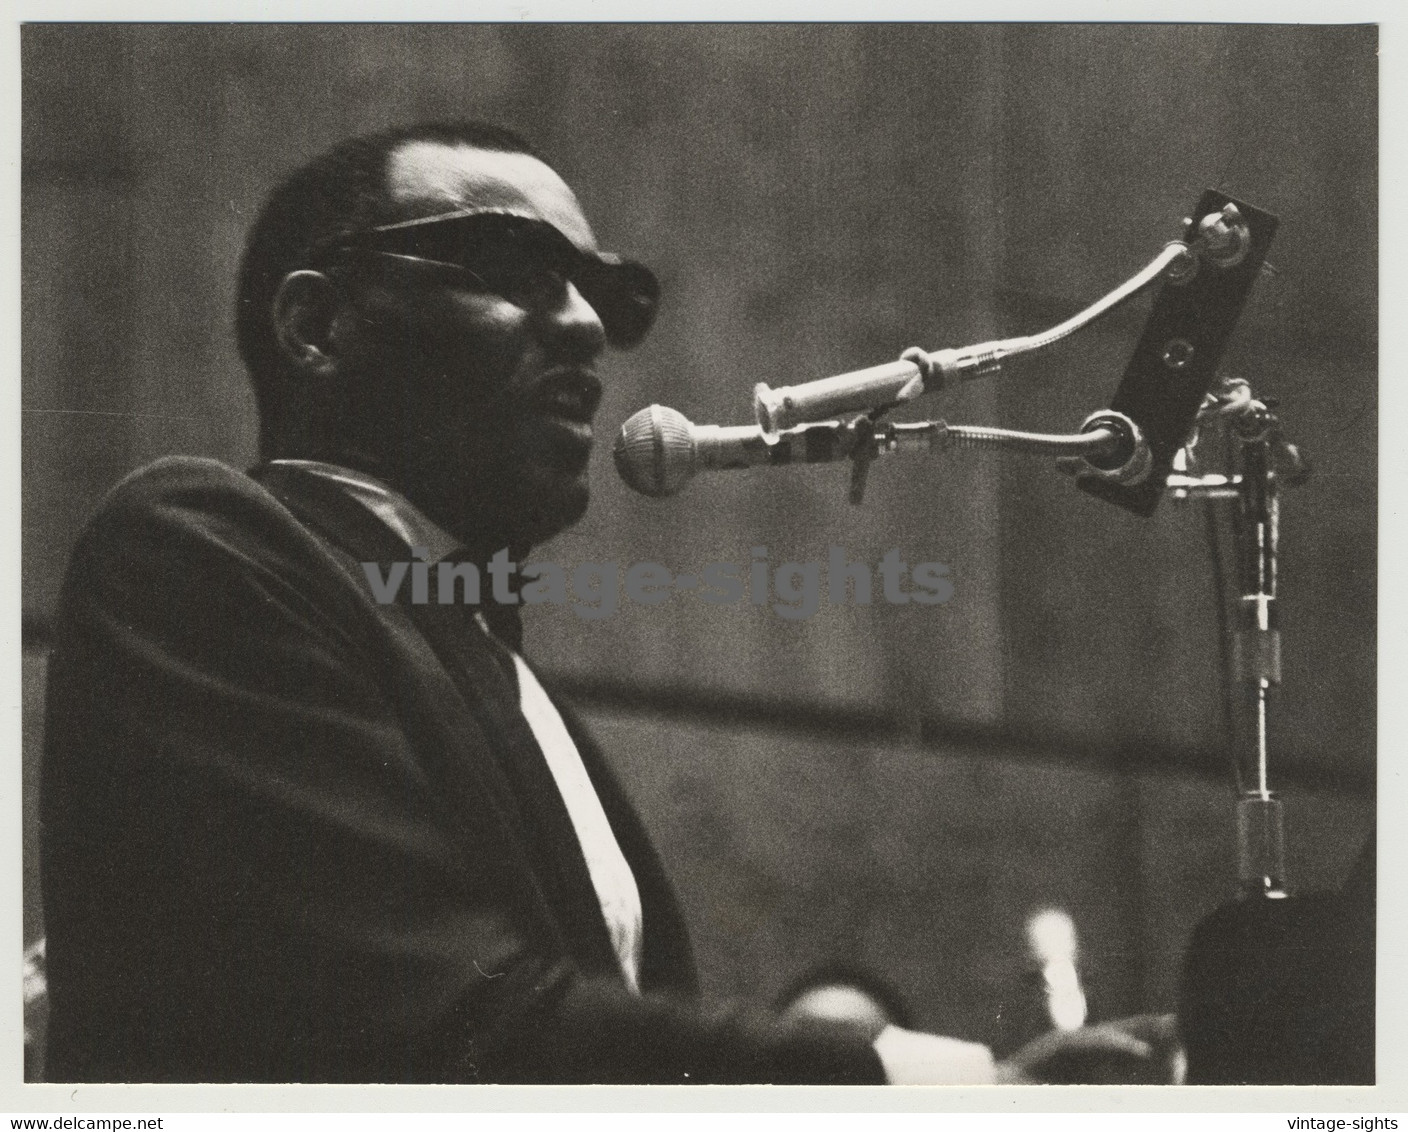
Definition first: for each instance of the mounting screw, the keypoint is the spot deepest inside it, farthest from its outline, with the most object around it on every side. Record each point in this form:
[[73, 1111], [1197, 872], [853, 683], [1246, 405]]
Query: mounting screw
[[1225, 237], [1178, 352]]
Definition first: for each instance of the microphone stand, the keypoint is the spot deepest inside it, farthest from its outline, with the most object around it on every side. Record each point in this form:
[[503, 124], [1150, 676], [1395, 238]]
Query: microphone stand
[[1208, 275], [1254, 430], [1111, 447]]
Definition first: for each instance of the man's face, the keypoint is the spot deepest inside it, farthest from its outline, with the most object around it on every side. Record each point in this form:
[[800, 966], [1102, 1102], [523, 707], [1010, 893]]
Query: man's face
[[479, 409]]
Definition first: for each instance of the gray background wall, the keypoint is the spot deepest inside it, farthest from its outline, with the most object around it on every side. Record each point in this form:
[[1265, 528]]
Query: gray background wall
[[897, 784]]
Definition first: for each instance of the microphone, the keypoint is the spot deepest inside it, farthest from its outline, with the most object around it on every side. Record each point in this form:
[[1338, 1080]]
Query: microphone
[[659, 450]]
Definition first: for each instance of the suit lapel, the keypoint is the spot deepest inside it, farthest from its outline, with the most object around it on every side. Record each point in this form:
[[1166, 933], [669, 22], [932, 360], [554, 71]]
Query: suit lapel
[[475, 704], [553, 847]]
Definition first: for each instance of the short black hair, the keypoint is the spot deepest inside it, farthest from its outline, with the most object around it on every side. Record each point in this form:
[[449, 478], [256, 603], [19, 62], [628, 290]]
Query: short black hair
[[339, 192], [857, 976]]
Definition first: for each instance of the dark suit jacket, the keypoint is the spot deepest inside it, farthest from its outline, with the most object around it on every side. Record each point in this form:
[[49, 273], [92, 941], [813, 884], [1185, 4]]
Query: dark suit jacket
[[290, 834]]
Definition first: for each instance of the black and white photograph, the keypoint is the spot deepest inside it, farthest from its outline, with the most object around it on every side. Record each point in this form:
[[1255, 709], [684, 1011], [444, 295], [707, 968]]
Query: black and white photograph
[[893, 602]]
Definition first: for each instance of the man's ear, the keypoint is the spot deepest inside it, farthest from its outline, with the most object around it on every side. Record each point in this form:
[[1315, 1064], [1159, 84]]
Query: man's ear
[[304, 308]]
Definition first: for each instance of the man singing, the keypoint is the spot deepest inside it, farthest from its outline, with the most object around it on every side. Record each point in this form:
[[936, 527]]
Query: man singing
[[291, 833]]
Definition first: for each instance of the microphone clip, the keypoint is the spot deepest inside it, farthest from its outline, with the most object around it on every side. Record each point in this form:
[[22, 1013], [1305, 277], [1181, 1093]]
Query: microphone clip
[[871, 439]]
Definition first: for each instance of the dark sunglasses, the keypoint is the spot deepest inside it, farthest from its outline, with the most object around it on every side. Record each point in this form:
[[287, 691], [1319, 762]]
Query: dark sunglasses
[[528, 262]]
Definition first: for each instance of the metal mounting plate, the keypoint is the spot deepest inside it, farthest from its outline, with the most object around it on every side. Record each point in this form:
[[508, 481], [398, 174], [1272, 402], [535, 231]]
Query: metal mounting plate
[[1176, 360]]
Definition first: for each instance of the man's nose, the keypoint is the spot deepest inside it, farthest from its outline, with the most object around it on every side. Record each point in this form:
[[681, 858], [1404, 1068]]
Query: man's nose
[[572, 327]]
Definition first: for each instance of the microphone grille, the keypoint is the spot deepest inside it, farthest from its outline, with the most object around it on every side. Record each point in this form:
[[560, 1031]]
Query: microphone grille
[[654, 451]]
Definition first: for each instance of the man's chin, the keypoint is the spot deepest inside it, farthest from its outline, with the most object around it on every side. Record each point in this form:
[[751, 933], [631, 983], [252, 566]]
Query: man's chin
[[519, 512], [544, 501], [557, 503]]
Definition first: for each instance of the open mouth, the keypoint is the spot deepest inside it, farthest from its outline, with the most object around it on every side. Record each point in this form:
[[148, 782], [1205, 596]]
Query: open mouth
[[567, 402], [564, 443], [570, 391]]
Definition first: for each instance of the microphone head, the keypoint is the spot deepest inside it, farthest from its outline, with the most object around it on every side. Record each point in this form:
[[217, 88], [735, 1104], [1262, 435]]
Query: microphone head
[[654, 452]]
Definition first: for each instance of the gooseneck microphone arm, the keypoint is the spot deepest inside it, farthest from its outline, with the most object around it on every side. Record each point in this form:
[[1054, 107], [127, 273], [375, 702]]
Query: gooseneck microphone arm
[[659, 450], [1208, 275], [918, 372]]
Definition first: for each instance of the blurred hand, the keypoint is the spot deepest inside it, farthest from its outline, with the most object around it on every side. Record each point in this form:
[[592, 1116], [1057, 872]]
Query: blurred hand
[[1141, 1050]]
